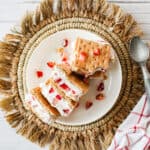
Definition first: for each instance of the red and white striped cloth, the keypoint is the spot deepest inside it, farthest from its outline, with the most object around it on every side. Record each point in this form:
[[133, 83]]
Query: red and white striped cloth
[[134, 132]]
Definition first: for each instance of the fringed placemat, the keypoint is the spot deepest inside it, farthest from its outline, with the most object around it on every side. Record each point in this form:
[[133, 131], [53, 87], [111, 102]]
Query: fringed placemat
[[97, 16]]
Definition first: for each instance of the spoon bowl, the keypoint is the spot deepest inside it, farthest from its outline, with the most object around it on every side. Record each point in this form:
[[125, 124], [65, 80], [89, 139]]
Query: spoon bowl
[[139, 51]]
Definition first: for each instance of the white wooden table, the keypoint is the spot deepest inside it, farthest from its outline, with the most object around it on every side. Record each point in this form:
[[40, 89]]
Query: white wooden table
[[10, 13]]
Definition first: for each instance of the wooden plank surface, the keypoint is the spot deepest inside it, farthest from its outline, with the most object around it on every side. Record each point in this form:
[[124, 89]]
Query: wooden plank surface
[[11, 12]]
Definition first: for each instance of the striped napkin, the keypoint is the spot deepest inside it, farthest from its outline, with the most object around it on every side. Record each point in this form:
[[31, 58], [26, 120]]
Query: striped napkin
[[134, 132]]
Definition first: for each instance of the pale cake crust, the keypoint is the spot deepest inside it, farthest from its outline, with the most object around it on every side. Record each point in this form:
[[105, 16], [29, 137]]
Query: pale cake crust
[[65, 67], [79, 83], [36, 92], [96, 56]]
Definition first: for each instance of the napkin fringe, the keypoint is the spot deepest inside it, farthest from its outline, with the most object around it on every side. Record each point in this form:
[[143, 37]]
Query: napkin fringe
[[28, 124]]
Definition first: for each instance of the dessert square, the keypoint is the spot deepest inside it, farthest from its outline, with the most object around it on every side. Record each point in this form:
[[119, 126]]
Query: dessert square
[[63, 90], [71, 85], [89, 57], [57, 98]]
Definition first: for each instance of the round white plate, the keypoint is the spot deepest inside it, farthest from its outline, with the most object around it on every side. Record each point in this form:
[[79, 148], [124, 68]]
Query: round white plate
[[47, 51]]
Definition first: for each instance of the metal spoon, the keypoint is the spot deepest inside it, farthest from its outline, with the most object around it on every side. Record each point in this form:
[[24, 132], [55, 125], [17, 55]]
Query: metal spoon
[[140, 52]]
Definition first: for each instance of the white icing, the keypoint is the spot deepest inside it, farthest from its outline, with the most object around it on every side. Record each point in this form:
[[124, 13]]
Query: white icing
[[69, 49], [58, 73], [72, 55], [37, 108], [61, 105]]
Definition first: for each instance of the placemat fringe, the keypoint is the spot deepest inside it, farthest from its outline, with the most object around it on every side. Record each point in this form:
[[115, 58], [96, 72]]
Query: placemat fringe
[[107, 13], [6, 104]]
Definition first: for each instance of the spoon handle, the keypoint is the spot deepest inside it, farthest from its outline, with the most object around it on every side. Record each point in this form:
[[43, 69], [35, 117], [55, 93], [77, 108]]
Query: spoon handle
[[146, 79]]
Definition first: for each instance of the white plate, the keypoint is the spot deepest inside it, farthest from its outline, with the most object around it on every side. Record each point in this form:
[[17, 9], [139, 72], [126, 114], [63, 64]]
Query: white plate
[[46, 51]]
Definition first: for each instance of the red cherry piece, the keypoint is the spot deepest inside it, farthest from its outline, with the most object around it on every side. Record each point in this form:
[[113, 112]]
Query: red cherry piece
[[51, 90], [88, 104], [64, 59], [100, 87], [65, 43], [66, 111], [100, 97], [73, 92], [58, 97], [86, 80], [82, 56], [58, 80], [50, 64], [97, 52], [55, 101], [65, 87], [39, 74], [29, 102]]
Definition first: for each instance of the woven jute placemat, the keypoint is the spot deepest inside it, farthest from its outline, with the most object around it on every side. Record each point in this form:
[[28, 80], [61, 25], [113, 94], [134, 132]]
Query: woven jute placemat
[[98, 16]]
